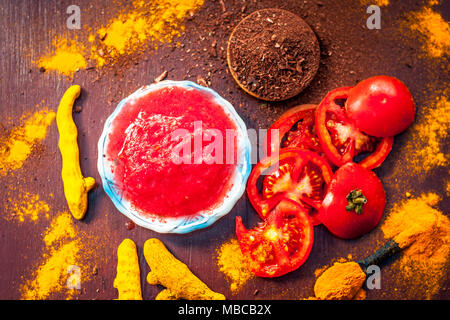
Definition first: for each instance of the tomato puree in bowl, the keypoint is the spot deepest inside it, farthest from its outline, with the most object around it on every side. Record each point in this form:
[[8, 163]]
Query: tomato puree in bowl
[[170, 151]]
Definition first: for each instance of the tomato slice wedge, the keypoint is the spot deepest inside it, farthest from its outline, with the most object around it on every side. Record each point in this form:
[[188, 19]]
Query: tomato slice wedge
[[339, 137], [298, 175], [280, 244], [294, 129]]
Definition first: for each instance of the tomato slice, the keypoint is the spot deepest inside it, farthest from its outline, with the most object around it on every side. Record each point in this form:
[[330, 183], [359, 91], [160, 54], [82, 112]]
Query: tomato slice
[[339, 137], [279, 245], [298, 175], [294, 129]]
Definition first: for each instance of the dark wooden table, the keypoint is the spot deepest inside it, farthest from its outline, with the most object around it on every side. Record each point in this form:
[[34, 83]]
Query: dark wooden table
[[350, 52]]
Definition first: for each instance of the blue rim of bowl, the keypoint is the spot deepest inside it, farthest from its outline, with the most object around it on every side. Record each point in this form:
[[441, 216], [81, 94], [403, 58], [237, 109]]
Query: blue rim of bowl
[[181, 224]]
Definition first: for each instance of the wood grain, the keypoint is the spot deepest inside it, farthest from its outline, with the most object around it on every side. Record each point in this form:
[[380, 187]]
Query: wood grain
[[350, 52]]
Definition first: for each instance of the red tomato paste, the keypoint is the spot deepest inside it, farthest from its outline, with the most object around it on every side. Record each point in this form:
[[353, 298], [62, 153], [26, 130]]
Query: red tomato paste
[[147, 169]]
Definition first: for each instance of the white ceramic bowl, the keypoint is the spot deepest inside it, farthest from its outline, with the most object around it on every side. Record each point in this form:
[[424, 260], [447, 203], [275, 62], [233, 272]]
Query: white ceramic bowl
[[182, 224]]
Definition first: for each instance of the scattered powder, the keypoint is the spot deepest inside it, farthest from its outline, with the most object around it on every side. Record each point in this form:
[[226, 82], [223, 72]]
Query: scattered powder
[[425, 146], [232, 264], [124, 33], [432, 30], [65, 254], [424, 263], [321, 270], [61, 227], [448, 187], [145, 24], [380, 3], [69, 57], [360, 295], [26, 207], [18, 146]]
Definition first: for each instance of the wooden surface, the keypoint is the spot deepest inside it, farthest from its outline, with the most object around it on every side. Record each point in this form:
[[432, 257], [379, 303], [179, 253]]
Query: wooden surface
[[350, 52]]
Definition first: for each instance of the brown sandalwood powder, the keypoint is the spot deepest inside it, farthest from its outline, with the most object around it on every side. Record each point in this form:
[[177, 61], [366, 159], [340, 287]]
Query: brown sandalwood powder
[[425, 232]]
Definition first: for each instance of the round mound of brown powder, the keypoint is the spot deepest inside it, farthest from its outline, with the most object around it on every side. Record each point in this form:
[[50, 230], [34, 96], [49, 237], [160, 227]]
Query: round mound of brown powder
[[273, 54]]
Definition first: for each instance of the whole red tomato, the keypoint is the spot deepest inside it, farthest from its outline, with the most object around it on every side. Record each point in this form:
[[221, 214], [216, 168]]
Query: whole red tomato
[[381, 106], [354, 202]]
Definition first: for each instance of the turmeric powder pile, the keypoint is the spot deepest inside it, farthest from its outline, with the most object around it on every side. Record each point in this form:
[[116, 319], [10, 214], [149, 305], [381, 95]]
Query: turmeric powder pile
[[19, 144], [432, 29], [424, 149], [231, 263], [67, 262], [425, 232], [429, 134], [342, 281], [132, 31], [69, 56]]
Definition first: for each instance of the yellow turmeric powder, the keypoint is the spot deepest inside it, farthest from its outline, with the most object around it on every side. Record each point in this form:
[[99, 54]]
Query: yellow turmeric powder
[[424, 148], [76, 186], [67, 58], [380, 3], [26, 206], [18, 146], [146, 23], [179, 281], [360, 295], [425, 232], [128, 278], [429, 135], [340, 282], [432, 30], [66, 263], [232, 264]]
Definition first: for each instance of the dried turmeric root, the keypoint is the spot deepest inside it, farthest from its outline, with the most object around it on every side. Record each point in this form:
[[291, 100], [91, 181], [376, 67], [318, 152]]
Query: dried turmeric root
[[128, 278], [179, 281], [76, 186]]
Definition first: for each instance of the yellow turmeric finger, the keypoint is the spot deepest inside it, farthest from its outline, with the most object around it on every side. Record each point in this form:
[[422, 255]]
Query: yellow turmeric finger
[[173, 274], [166, 294], [76, 186], [128, 278]]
